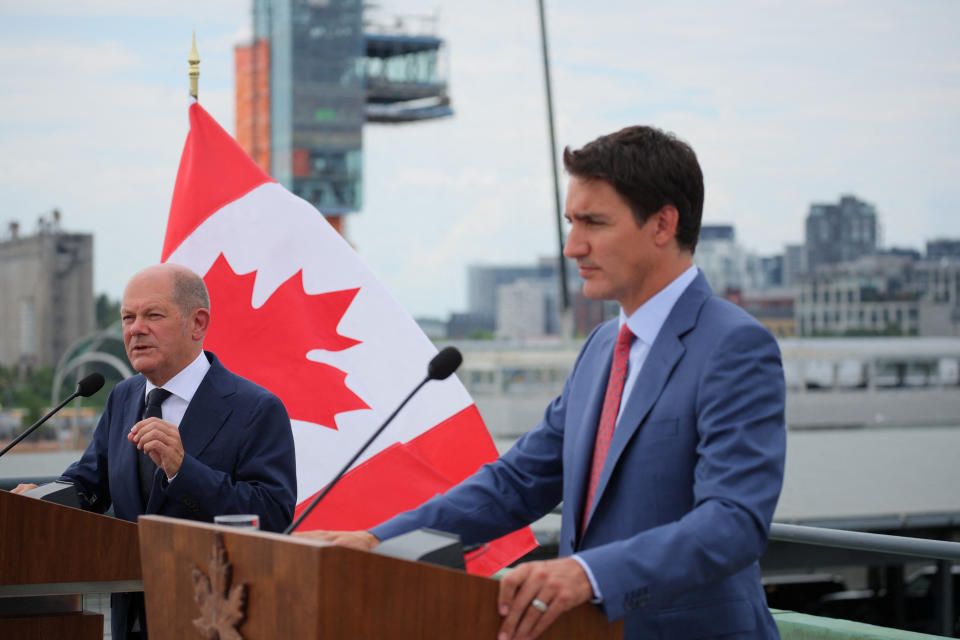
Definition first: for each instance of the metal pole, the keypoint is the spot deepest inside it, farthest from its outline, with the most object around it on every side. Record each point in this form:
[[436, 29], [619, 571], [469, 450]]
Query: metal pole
[[861, 541], [564, 295], [944, 591]]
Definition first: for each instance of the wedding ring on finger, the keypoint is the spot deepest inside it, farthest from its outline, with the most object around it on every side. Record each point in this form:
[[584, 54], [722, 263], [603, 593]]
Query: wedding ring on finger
[[539, 605]]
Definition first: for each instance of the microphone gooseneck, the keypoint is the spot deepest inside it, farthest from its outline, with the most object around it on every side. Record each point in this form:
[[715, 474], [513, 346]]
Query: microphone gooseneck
[[85, 388], [440, 367]]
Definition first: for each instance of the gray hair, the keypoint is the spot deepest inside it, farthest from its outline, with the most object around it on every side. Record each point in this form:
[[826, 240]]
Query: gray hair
[[189, 291]]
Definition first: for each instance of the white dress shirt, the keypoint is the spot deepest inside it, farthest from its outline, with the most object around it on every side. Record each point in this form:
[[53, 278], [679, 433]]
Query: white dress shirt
[[182, 387]]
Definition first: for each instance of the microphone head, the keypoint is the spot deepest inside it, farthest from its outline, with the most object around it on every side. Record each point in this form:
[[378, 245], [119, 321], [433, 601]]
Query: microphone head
[[444, 363], [90, 385]]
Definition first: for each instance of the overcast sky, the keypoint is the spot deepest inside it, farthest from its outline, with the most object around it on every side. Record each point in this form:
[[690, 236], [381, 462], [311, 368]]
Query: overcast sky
[[786, 103]]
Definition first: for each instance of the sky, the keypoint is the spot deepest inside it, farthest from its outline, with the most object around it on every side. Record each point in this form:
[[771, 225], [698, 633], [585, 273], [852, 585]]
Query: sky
[[785, 103]]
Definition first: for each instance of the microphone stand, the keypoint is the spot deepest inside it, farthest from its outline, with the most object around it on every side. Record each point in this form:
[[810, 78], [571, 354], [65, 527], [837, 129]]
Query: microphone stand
[[349, 464], [36, 425]]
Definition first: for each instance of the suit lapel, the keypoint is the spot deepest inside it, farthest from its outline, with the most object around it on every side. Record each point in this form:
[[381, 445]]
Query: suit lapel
[[208, 410], [127, 453], [665, 353]]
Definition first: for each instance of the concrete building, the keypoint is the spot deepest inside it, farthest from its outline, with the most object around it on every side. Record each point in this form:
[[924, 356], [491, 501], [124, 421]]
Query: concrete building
[[526, 308], [484, 280], [47, 285], [722, 261], [314, 73], [943, 248], [840, 232], [880, 294], [538, 289], [794, 263], [773, 308]]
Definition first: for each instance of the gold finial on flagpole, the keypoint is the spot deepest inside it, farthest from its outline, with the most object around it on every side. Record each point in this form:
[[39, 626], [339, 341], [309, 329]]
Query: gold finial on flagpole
[[194, 60]]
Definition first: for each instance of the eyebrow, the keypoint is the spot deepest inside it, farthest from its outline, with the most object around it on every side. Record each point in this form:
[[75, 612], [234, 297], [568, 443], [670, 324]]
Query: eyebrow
[[584, 215]]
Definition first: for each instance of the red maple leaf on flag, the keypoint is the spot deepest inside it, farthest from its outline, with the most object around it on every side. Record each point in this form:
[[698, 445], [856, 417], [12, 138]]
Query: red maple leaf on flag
[[269, 345]]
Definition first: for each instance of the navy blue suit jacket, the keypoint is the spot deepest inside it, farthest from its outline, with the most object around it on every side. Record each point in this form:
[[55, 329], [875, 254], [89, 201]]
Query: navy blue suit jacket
[[238, 457], [689, 487]]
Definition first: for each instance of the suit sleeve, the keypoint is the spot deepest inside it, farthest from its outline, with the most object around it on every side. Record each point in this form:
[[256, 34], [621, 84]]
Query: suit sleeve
[[502, 496], [264, 479], [521, 486], [738, 473]]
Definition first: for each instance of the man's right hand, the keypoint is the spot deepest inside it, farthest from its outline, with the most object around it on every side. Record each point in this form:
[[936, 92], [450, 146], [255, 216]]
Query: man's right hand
[[362, 540], [23, 488]]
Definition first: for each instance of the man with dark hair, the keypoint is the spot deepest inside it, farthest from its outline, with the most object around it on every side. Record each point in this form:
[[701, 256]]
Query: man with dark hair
[[186, 438], [667, 443]]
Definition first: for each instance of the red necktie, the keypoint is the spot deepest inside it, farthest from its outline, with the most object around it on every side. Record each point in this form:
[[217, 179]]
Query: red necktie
[[608, 417]]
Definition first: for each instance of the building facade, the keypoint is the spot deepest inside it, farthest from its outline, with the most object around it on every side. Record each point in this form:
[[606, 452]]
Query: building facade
[[880, 294], [840, 232], [47, 284], [312, 76], [943, 248]]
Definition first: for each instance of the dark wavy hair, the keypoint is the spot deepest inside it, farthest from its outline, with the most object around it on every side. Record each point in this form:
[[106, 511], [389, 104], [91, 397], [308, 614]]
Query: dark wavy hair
[[650, 169]]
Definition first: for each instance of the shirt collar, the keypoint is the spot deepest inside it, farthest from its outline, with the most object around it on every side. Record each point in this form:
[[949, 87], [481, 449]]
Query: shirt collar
[[645, 323], [185, 383]]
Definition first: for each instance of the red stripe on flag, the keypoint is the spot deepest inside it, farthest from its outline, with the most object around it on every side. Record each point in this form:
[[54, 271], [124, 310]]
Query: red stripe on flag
[[404, 476], [214, 171]]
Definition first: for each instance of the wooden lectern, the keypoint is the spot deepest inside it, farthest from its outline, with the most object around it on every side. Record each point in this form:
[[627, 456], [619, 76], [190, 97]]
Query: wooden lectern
[[275, 586], [52, 554]]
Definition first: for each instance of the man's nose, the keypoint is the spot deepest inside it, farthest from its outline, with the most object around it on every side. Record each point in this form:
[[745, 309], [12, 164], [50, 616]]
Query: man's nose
[[574, 247], [137, 326]]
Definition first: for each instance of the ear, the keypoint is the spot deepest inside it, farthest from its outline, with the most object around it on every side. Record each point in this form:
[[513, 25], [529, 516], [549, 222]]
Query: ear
[[199, 323], [667, 219]]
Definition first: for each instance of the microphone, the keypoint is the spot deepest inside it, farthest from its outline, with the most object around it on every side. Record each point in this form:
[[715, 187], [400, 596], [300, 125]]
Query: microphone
[[441, 366], [85, 388], [444, 364]]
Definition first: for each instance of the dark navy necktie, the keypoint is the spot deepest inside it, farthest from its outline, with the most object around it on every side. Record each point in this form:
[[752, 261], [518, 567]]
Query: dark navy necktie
[[145, 465]]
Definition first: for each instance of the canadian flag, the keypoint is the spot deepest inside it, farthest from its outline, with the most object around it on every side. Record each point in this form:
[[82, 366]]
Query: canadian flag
[[296, 310]]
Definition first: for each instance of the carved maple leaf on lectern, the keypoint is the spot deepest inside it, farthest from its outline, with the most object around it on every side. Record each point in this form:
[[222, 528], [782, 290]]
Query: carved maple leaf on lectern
[[221, 606]]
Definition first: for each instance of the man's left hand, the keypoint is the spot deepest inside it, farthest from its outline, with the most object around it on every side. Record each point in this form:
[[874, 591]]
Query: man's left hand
[[559, 584], [161, 441]]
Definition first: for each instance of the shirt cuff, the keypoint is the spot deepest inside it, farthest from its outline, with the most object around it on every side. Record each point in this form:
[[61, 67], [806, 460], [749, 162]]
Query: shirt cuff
[[597, 596]]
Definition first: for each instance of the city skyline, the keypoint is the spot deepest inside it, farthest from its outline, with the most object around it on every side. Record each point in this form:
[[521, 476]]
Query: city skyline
[[786, 106]]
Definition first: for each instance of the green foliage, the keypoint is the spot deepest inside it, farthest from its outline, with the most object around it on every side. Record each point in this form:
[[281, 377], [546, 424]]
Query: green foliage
[[29, 388], [108, 311], [26, 388]]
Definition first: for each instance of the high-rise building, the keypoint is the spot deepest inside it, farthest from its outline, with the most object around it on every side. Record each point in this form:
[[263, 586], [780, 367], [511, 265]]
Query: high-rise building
[[314, 73], [794, 263], [943, 248], [47, 284], [840, 232]]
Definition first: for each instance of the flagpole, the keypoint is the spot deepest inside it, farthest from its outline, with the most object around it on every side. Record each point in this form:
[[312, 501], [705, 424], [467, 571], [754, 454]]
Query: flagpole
[[194, 73]]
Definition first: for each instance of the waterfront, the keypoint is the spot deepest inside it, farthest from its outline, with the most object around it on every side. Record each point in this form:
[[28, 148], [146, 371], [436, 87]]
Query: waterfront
[[880, 475]]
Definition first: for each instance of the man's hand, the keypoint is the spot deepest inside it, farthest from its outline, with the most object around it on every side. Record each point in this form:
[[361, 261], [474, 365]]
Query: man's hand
[[161, 441], [23, 488], [559, 584], [362, 540]]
